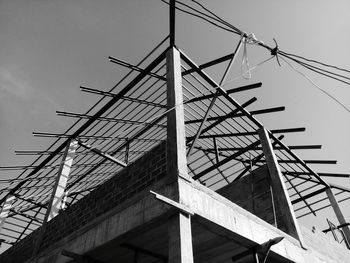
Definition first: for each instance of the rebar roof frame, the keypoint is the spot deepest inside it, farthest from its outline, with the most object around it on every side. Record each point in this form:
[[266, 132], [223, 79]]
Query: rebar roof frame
[[135, 117]]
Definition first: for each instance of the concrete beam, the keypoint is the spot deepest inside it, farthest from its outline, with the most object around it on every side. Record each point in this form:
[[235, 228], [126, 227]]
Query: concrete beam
[[121, 223], [176, 137], [228, 219], [79, 258], [218, 214], [278, 187]]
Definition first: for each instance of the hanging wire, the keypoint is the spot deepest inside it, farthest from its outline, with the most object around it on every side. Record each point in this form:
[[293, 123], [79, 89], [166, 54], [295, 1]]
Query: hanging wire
[[217, 21], [317, 62], [315, 85]]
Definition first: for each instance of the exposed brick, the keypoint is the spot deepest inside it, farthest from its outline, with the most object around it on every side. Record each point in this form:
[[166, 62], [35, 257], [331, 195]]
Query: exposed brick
[[139, 175], [252, 193]]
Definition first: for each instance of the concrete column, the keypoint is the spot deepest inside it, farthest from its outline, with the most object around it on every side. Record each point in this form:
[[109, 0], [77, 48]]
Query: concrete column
[[58, 192], [5, 210], [176, 137], [280, 192], [338, 212], [180, 239], [179, 225]]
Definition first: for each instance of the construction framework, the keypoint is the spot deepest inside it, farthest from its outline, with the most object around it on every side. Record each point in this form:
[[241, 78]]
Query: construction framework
[[222, 137]]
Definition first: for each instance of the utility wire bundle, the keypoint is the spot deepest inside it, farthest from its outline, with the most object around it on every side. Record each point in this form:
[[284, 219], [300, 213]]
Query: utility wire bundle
[[330, 71]]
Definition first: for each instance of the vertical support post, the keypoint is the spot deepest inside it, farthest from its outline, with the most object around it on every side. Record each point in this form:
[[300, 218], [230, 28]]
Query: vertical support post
[[180, 239], [127, 149], [136, 256], [5, 210], [176, 137], [256, 257], [338, 212], [172, 22], [216, 150], [279, 188], [58, 191]]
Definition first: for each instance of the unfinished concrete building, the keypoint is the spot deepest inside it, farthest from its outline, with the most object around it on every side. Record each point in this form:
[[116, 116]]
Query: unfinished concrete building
[[170, 169]]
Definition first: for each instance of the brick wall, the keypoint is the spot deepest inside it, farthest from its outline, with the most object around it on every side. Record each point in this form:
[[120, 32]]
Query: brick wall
[[140, 175], [252, 192]]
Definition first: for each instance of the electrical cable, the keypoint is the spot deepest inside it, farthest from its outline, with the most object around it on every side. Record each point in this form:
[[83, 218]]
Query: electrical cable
[[315, 85], [201, 17], [317, 69], [222, 20], [235, 30], [318, 62]]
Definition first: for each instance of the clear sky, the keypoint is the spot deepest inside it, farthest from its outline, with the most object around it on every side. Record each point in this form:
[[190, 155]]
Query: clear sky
[[49, 48]]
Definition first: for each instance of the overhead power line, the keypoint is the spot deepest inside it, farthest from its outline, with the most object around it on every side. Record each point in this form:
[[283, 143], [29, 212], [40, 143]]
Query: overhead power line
[[321, 68]]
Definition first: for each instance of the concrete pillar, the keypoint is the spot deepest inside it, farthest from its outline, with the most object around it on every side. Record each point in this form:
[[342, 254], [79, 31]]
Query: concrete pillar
[[180, 239], [338, 212], [5, 210], [179, 224], [176, 137], [280, 192], [58, 192]]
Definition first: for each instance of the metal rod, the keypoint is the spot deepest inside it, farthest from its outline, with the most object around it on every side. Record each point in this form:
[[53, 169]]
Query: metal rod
[[256, 112], [127, 150], [221, 173], [305, 161], [199, 131], [321, 208], [128, 98], [220, 120], [216, 151], [299, 160], [100, 153], [233, 156], [255, 160], [299, 194], [337, 227], [294, 147], [212, 103], [220, 89], [85, 116], [249, 133], [321, 174], [29, 200], [230, 91], [133, 67], [172, 22], [300, 199], [209, 64], [94, 137], [226, 104], [26, 216]]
